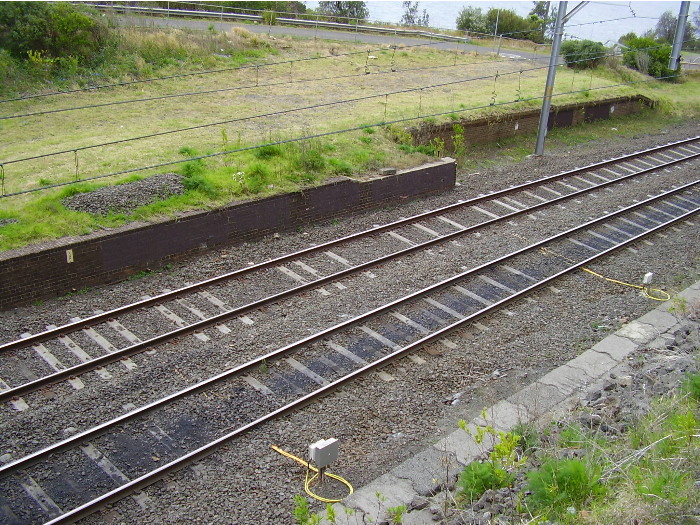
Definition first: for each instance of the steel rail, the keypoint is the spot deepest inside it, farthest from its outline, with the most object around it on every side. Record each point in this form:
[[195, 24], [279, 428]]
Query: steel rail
[[99, 318], [81, 368], [70, 442], [147, 479]]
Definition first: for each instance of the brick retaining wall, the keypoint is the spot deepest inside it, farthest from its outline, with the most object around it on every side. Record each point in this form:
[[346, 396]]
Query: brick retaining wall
[[44, 271], [494, 128]]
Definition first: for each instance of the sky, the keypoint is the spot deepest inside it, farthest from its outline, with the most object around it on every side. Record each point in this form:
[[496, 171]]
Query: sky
[[603, 21]]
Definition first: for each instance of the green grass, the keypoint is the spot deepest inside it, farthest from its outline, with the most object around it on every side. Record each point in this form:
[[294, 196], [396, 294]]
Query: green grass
[[275, 168]]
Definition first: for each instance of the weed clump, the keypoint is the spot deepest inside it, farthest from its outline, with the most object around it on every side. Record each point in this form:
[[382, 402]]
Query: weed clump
[[256, 177], [478, 477], [268, 152], [562, 483]]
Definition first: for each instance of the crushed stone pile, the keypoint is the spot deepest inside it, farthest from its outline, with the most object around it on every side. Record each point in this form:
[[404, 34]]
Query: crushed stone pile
[[125, 198]]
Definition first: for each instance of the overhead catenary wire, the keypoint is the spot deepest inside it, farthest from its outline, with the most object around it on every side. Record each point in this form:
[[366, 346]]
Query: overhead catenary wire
[[223, 90], [291, 110], [263, 115], [320, 135], [251, 86]]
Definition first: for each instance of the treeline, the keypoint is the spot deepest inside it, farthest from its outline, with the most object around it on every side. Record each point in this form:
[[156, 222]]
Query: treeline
[[536, 27], [341, 12]]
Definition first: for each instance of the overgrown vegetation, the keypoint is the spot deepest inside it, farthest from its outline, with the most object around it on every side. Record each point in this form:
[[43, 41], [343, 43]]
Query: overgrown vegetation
[[505, 22], [583, 54], [648, 56], [576, 475], [62, 46]]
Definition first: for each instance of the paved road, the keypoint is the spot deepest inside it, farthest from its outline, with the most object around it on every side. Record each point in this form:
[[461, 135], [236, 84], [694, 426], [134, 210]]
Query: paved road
[[326, 34]]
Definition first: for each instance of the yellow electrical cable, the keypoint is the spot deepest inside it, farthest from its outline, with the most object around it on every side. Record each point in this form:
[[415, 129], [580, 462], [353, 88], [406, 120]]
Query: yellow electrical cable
[[646, 291], [309, 480]]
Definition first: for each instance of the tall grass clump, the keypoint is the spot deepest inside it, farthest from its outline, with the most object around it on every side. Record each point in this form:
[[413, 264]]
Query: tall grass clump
[[62, 44], [563, 483]]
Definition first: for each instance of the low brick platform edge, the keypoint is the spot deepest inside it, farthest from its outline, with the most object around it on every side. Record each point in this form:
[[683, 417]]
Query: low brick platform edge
[[500, 126], [56, 268]]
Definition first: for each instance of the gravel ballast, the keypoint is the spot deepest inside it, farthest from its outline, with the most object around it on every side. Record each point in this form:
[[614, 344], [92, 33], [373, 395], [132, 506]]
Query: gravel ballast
[[378, 423], [125, 198]]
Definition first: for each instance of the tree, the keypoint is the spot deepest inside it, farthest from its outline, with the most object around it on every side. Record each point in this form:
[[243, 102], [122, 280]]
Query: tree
[[508, 23], [547, 14], [343, 12], [583, 54], [471, 19], [410, 16], [627, 37], [666, 28]]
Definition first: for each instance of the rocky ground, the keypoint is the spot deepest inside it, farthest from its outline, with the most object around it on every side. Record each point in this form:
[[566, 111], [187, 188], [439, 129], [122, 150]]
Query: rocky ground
[[125, 198], [608, 410]]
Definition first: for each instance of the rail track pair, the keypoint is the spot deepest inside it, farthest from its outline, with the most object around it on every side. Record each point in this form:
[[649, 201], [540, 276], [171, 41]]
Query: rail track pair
[[50, 484]]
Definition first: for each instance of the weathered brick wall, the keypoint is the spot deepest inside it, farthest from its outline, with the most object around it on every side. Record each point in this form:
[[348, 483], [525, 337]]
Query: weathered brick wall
[[43, 271], [492, 129]]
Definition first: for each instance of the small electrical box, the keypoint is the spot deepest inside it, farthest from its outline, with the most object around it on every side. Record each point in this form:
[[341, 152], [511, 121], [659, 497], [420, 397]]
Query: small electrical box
[[647, 278], [324, 452]]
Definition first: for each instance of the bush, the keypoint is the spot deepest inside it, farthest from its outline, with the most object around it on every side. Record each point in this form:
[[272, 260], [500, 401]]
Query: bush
[[583, 54], [472, 19], [648, 56], [53, 29]]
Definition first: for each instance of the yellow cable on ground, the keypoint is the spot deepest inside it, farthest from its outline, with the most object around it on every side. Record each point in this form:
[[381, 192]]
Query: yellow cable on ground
[[309, 480], [646, 291]]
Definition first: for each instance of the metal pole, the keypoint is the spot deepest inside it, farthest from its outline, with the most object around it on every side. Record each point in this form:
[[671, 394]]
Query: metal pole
[[495, 31], [549, 86], [678, 39]]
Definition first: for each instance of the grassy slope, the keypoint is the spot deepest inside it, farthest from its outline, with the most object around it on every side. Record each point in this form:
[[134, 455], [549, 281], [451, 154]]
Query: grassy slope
[[299, 84]]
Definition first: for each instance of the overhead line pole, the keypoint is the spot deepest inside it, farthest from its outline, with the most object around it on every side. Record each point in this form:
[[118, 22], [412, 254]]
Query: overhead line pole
[[678, 38], [549, 85], [562, 17]]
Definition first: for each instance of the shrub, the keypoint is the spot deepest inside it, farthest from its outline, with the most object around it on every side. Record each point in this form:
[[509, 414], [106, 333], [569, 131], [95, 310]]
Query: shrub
[[55, 29], [583, 54], [648, 56]]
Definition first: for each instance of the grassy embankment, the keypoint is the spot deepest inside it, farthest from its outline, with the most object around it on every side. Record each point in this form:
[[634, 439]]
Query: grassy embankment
[[294, 74]]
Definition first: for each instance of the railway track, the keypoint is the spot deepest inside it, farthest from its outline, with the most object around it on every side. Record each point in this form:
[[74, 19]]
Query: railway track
[[64, 353], [85, 471], [175, 430]]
